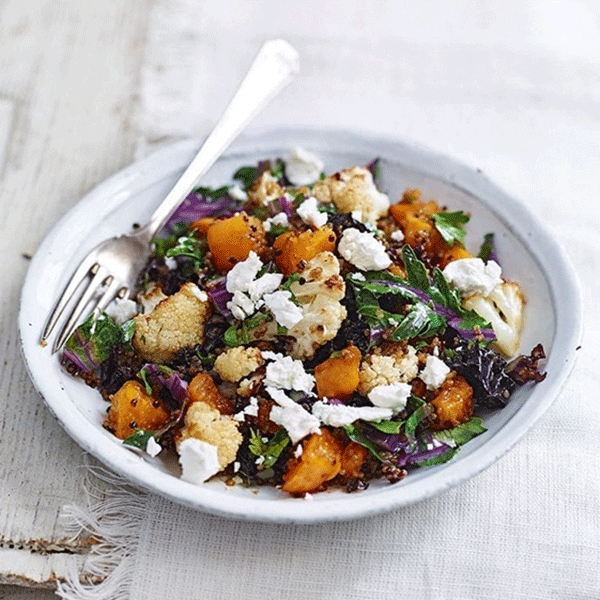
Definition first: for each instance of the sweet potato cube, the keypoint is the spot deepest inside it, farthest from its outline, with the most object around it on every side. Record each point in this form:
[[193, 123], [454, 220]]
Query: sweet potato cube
[[132, 408], [202, 388], [337, 377], [453, 403], [231, 240], [293, 249], [353, 459], [320, 461]]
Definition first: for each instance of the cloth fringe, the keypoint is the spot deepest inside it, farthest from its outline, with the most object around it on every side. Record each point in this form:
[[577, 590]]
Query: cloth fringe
[[113, 518]]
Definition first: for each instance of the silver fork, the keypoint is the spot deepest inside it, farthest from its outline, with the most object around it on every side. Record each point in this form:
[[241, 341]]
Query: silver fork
[[111, 268]]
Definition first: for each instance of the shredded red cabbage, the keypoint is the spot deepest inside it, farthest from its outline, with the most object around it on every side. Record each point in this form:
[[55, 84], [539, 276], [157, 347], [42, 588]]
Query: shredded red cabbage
[[217, 292], [196, 206], [169, 379], [406, 451], [281, 205]]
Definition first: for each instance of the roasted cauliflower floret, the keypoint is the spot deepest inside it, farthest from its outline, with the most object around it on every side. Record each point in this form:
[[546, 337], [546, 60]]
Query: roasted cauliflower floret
[[237, 363], [207, 424], [321, 275], [398, 364], [319, 292], [264, 190], [175, 323], [353, 190], [503, 308]]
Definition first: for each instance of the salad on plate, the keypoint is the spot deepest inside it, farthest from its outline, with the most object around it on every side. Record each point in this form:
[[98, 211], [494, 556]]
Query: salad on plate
[[305, 331]]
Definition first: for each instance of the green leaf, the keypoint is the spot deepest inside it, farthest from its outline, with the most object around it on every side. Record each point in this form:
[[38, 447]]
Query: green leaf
[[231, 337], [415, 419], [451, 226], [139, 439], [287, 284], [256, 444], [439, 460], [277, 169], [277, 230], [390, 427], [127, 330], [443, 294], [416, 271], [92, 342], [246, 176], [328, 207], [241, 331], [356, 435], [419, 321], [188, 245], [275, 447], [486, 247], [463, 433], [143, 375], [375, 168], [471, 320], [161, 245], [207, 360], [270, 450], [212, 193]]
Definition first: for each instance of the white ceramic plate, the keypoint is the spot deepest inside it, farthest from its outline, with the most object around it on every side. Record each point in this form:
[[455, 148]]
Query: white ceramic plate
[[527, 251]]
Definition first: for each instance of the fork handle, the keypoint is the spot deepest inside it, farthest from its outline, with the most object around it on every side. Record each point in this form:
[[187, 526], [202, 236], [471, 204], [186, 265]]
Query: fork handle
[[272, 69]]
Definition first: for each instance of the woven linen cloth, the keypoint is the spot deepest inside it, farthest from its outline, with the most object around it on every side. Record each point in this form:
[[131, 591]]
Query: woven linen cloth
[[527, 528]]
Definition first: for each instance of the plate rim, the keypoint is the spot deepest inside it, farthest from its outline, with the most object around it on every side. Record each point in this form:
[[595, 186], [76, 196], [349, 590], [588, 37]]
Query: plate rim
[[290, 510]]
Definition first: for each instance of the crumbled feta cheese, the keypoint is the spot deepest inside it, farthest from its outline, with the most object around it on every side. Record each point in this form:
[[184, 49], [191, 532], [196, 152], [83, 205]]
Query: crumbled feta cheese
[[309, 497], [302, 167], [198, 460], [397, 235], [251, 410], [153, 448], [259, 460], [286, 373], [392, 396], [170, 263], [358, 277], [310, 214], [237, 193], [243, 274], [266, 284], [248, 291], [286, 313], [357, 215], [241, 306], [291, 416], [298, 451], [434, 372], [236, 466], [473, 276], [279, 219], [338, 415], [363, 250], [121, 310]]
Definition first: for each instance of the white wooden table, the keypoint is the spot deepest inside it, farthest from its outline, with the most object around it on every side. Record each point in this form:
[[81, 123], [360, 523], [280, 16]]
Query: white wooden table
[[88, 87]]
